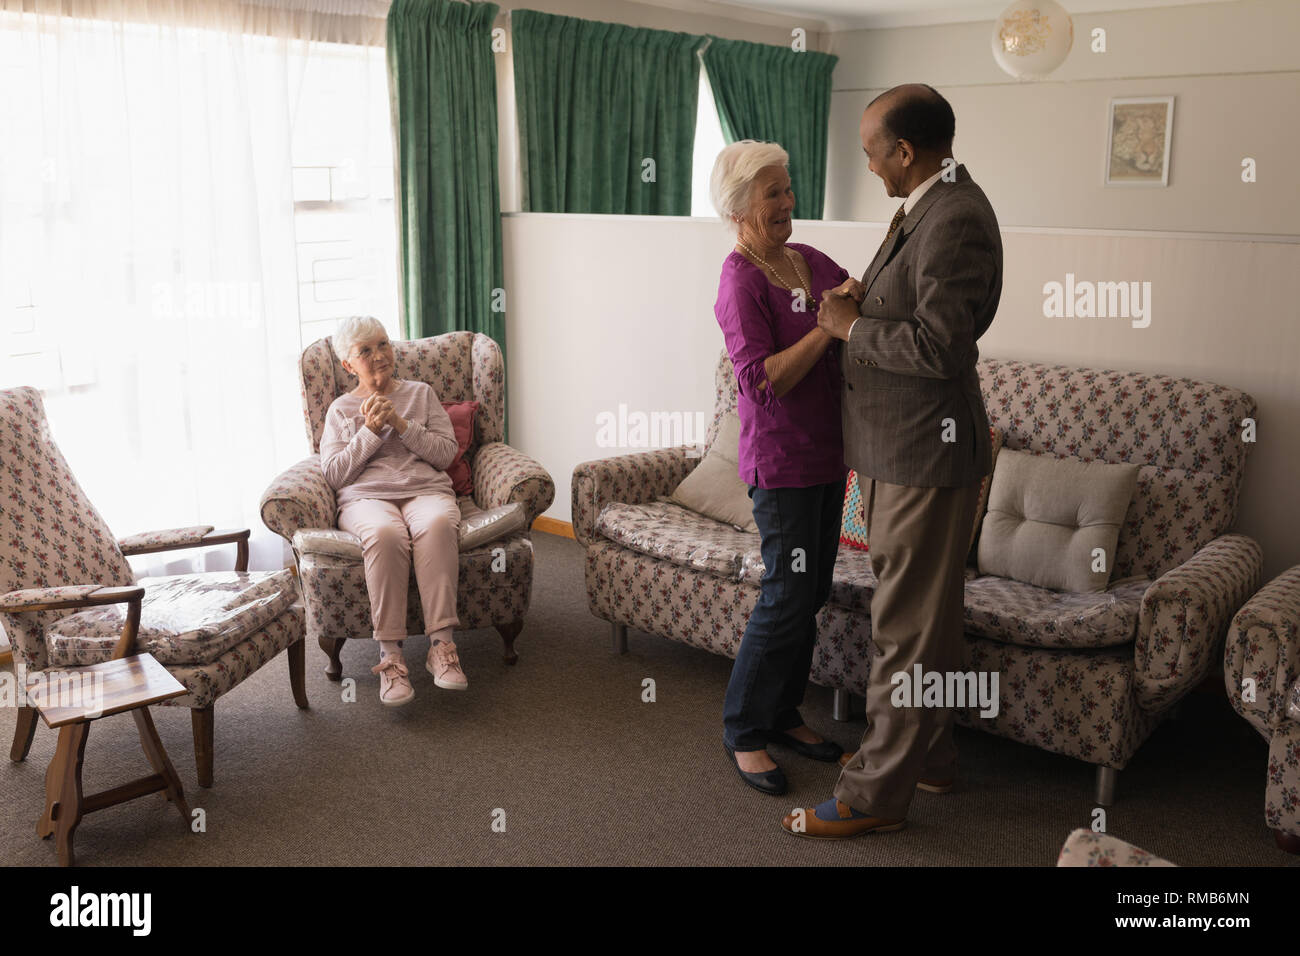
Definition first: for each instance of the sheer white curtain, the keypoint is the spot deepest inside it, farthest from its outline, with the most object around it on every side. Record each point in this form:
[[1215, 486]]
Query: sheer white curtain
[[150, 271]]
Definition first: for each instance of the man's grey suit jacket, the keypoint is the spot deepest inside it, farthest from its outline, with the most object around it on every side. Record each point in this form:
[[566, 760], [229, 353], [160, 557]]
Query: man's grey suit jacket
[[909, 363]]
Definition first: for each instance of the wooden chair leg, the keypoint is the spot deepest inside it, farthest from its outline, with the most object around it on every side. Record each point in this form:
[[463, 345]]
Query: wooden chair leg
[[24, 733], [333, 648], [202, 724], [508, 634], [158, 759], [72, 747], [1287, 841], [298, 672]]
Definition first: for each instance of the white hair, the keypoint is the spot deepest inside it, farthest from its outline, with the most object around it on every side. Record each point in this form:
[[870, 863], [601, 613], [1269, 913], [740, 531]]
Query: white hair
[[734, 172], [354, 329]]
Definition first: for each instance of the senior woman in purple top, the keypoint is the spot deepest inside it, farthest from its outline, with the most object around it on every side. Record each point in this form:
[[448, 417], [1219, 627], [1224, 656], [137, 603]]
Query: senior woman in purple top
[[791, 451]]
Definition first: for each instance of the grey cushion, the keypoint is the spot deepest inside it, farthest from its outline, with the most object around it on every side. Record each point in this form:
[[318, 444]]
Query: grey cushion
[[713, 488], [1047, 515]]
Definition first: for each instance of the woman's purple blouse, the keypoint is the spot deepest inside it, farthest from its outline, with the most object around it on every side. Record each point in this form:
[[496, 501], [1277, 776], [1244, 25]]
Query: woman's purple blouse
[[793, 441]]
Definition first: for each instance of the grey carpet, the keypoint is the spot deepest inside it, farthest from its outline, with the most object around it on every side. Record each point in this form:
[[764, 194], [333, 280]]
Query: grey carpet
[[586, 773]]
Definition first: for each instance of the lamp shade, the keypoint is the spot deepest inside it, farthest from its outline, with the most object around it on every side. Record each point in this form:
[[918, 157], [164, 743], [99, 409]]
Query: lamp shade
[[1032, 38]]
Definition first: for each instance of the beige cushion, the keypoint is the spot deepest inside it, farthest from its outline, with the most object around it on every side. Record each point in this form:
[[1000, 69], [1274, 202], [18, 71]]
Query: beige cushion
[[1047, 515], [714, 488]]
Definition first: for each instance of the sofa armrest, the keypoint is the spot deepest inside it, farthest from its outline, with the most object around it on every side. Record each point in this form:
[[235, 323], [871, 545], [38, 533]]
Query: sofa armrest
[[177, 539], [633, 479], [1185, 614], [299, 497], [503, 474], [1264, 645]]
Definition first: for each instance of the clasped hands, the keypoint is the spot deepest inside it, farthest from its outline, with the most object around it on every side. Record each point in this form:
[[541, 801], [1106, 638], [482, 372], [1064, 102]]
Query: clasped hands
[[839, 308], [379, 412]]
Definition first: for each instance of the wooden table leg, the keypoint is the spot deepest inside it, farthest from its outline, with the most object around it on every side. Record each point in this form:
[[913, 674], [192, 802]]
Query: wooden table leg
[[72, 746], [53, 787], [158, 759]]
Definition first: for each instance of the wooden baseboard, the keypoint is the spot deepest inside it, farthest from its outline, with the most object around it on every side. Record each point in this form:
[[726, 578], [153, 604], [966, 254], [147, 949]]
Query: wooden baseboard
[[553, 526]]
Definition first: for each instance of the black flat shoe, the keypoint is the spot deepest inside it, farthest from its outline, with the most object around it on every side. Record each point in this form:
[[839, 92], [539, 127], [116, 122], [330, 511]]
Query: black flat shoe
[[771, 782], [826, 751]]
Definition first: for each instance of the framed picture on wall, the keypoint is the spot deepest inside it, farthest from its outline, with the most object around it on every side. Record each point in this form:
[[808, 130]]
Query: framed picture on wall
[[1138, 139]]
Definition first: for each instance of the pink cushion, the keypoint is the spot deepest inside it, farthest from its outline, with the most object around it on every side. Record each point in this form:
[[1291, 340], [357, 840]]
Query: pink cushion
[[462, 422]]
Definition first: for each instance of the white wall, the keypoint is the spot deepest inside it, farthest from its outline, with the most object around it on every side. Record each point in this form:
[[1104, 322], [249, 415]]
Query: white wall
[[1038, 148], [618, 309]]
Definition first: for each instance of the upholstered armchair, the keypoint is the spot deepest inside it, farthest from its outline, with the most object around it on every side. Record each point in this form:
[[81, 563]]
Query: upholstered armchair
[[496, 579], [1261, 671], [67, 591]]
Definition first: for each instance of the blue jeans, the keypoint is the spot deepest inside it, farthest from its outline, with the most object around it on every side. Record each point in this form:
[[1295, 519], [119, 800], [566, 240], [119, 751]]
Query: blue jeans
[[771, 670]]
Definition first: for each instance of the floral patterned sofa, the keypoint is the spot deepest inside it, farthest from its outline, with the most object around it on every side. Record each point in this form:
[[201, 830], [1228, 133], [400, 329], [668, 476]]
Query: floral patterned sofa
[[1085, 848], [1084, 675], [1263, 647], [461, 366]]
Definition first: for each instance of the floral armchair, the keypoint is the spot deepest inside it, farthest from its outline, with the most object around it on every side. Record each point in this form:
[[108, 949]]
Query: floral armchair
[[67, 592], [496, 579], [1261, 671]]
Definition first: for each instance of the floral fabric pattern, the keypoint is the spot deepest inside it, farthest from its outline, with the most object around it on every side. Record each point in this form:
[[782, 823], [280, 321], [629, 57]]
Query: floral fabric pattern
[[50, 533], [496, 578], [1282, 795], [163, 540], [1024, 614], [503, 475], [1264, 645], [33, 597], [184, 619], [1186, 435], [299, 498], [51, 536], [1087, 676], [638, 478], [1085, 848], [1079, 705], [1186, 613]]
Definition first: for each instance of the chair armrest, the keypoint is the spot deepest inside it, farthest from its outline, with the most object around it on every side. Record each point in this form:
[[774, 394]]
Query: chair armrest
[[80, 596], [198, 536], [1264, 645], [299, 497], [633, 479], [1185, 614], [503, 474]]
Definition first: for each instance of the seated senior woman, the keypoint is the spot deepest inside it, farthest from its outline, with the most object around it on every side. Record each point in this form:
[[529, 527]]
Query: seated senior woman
[[385, 449], [791, 451]]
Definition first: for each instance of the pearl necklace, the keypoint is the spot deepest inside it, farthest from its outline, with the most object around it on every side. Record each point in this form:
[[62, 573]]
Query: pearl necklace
[[805, 293]]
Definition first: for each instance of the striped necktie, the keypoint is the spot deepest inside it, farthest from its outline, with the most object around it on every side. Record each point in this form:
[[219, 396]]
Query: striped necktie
[[893, 227]]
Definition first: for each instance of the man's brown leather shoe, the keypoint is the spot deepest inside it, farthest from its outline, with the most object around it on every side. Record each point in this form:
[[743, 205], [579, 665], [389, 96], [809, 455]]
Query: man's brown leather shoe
[[847, 823], [928, 784]]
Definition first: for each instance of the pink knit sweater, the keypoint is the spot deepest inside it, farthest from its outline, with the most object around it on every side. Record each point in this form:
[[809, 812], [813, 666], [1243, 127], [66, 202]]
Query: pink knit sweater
[[360, 464]]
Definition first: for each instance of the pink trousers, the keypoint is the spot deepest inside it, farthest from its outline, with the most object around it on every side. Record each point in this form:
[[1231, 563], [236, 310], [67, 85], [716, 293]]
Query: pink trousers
[[393, 533]]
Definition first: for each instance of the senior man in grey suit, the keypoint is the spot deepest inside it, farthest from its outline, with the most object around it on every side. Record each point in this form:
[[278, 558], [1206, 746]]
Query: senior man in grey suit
[[916, 432]]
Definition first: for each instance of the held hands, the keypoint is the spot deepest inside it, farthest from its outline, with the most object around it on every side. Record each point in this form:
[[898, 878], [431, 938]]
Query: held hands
[[839, 308], [379, 412]]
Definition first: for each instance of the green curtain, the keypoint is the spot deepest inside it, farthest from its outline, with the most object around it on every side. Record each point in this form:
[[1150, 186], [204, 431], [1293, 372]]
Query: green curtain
[[596, 100], [775, 94], [442, 87]]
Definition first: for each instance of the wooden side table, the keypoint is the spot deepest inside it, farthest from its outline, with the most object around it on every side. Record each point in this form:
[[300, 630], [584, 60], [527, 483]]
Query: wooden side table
[[70, 700]]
